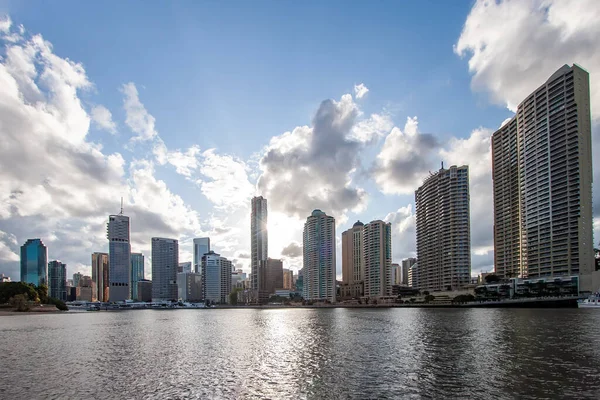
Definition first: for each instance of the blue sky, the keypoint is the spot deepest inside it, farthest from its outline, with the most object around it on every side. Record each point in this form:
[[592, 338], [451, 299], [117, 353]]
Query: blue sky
[[230, 76]]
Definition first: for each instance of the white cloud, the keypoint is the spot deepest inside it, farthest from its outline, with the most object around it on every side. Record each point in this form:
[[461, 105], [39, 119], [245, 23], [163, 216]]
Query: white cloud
[[514, 46], [226, 181], [404, 159], [311, 167], [403, 232], [102, 117], [185, 163], [360, 90], [5, 23], [376, 126], [57, 185], [137, 117]]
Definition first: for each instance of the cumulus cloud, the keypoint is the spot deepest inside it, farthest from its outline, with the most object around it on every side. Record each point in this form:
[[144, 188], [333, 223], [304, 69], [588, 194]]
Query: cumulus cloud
[[138, 119], [185, 162], [360, 90], [54, 183], [225, 181], [5, 23], [102, 117], [311, 166], [404, 159], [403, 232], [514, 46], [292, 250]]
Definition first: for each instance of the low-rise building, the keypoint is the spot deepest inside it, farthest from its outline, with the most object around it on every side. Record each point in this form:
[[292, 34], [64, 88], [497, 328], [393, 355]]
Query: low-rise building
[[144, 290]]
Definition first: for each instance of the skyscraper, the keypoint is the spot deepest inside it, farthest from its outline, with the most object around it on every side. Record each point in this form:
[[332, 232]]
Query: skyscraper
[[77, 276], [396, 274], [288, 279], [34, 262], [57, 278], [259, 243], [137, 272], [119, 257], [201, 247], [443, 230], [542, 174], [353, 270], [377, 251], [100, 275], [216, 277], [165, 259], [406, 264], [318, 263], [273, 276]]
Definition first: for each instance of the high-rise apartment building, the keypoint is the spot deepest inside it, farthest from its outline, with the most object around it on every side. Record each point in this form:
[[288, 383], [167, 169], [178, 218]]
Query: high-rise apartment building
[[100, 275], [34, 262], [377, 252], [259, 242], [413, 276], [273, 276], [318, 262], [443, 230], [201, 247], [542, 174], [165, 259], [57, 279], [353, 270], [77, 276], [406, 264], [216, 277], [137, 272], [119, 258]]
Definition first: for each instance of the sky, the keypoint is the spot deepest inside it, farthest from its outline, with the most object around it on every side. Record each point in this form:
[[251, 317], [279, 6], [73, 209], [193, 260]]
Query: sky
[[187, 109]]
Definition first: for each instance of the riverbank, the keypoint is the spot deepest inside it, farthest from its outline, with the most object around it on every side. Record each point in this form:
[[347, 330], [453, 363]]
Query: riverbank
[[551, 302], [46, 309]]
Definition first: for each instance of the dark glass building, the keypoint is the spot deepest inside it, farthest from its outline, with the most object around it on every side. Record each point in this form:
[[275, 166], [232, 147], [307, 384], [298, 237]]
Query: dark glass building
[[34, 262], [57, 279]]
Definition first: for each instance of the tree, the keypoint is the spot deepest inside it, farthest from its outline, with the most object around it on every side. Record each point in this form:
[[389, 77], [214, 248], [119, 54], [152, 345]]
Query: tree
[[429, 298], [42, 291], [11, 289], [20, 302], [426, 292], [233, 296], [492, 278], [58, 303]]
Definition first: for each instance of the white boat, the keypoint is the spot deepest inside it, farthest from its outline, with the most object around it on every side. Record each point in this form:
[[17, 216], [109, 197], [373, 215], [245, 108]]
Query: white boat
[[591, 302]]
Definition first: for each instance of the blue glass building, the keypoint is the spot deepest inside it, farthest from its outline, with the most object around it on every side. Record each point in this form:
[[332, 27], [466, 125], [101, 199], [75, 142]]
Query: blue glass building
[[34, 262], [137, 273]]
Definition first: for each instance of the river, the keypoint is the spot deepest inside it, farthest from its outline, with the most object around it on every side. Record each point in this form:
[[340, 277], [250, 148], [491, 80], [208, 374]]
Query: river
[[303, 354]]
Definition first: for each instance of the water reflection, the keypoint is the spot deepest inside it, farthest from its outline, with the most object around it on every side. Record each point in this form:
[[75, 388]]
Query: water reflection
[[303, 354]]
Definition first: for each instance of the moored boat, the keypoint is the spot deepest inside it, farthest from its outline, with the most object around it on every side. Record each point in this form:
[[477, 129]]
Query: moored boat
[[591, 302]]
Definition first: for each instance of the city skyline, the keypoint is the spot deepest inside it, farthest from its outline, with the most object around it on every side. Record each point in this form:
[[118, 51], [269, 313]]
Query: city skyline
[[186, 180]]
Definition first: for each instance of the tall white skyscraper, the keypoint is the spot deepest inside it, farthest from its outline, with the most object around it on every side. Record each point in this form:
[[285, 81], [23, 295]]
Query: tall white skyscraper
[[318, 264], [201, 247], [353, 270], [406, 264], [377, 245], [444, 230], [119, 257], [542, 173], [216, 277], [165, 260], [259, 242]]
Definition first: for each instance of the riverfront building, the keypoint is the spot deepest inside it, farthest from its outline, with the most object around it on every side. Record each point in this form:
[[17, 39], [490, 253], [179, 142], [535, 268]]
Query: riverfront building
[[34, 262], [119, 257], [144, 290], [100, 275], [406, 264], [201, 247], [137, 272], [189, 286], [542, 174], [273, 276], [377, 252], [443, 230], [318, 261], [57, 279], [165, 259], [259, 242], [216, 277]]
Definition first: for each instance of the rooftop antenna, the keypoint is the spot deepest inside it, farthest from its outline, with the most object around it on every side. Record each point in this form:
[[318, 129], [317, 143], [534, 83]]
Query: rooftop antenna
[[442, 165], [121, 213]]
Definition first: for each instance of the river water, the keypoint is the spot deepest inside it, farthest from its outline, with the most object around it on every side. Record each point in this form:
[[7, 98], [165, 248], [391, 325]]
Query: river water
[[303, 354]]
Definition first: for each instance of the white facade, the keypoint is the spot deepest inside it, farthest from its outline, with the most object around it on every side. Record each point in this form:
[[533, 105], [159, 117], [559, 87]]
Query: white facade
[[319, 266], [406, 264], [377, 250], [216, 277]]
